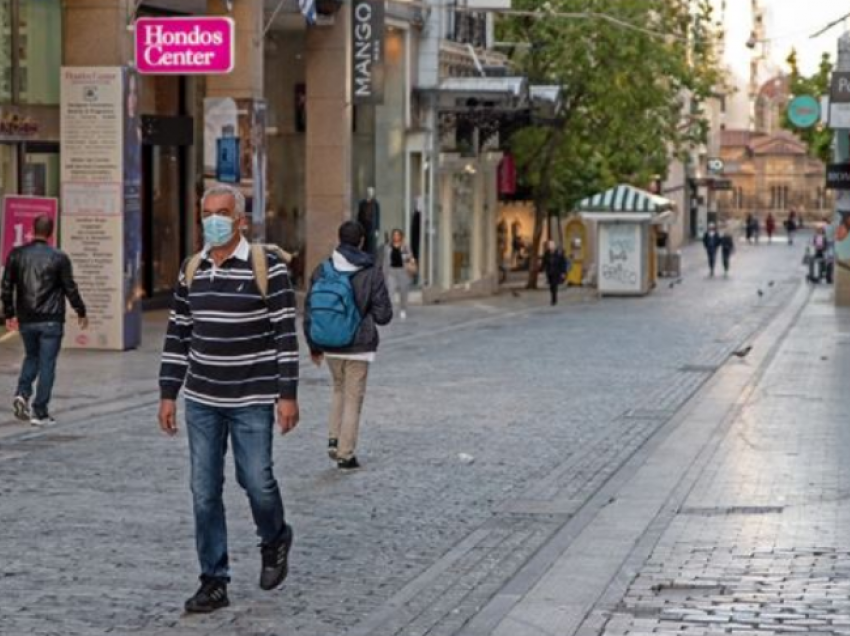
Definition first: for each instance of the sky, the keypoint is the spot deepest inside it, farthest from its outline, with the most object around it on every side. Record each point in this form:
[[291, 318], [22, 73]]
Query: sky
[[790, 24]]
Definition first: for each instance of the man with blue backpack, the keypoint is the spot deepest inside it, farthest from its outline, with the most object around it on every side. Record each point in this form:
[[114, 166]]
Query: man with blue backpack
[[346, 303]]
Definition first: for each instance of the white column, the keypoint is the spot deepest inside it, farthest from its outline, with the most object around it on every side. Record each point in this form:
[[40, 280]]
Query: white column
[[491, 220], [445, 273], [476, 246]]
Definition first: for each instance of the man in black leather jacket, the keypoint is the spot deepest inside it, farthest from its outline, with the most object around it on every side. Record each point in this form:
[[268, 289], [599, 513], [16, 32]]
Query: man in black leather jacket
[[36, 281]]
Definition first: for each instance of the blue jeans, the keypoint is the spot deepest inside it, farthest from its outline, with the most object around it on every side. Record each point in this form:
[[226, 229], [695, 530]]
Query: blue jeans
[[250, 429], [42, 342]]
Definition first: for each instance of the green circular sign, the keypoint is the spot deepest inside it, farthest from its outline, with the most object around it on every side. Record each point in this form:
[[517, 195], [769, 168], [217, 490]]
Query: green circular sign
[[804, 111]]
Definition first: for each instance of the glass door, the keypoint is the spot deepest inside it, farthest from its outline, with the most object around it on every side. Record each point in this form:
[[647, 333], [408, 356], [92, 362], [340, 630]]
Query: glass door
[[40, 170], [162, 225]]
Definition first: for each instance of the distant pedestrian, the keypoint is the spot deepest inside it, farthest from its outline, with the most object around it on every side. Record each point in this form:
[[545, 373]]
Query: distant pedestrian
[[711, 242], [37, 280], [756, 229], [399, 268], [555, 268], [345, 304], [750, 227], [727, 248], [770, 227], [791, 226], [232, 341]]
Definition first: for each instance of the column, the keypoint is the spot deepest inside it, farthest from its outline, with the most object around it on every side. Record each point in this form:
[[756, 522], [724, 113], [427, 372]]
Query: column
[[842, 154], [328, 137], [95, 32], [491, 196], [445, 271], [476, 246], [241, 93]]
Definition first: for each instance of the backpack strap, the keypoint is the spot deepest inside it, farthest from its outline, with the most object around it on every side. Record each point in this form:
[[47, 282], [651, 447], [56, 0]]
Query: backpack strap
[[260, 265], [192, 268]]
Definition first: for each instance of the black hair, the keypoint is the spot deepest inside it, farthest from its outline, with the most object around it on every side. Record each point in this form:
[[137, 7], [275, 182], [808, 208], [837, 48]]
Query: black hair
[[43, 227], [351, 233]]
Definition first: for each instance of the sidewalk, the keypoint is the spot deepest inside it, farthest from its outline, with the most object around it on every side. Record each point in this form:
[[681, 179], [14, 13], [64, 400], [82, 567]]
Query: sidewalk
[[731, 521]]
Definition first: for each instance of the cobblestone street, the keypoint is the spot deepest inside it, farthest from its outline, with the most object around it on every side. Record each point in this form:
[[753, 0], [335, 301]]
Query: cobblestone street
[[552, 405]]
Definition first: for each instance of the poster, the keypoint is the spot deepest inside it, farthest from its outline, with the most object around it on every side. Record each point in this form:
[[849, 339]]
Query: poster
[[19, 214], [235, 153], [101, 184], [620, 268]]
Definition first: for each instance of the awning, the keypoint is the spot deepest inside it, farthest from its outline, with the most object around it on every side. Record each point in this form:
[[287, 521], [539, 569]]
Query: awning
[[504, 94], [545, 100], [626, 198]]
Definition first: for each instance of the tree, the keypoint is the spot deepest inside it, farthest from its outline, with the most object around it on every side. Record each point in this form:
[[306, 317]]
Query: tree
[[632, 90], [818, 138]]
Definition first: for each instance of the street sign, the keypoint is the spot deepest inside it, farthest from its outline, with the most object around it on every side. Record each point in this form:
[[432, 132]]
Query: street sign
[[840, 88], [838, 176], [804, 111], [185, 46]]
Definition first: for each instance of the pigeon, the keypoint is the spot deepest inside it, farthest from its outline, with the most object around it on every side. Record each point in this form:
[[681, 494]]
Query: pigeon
[[515, 293], [771, 283], [678, 281], [761, 293], [672, 285], [742, 353]]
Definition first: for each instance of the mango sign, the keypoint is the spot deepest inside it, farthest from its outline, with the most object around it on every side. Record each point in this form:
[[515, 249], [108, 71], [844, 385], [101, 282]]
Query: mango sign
[[184, 46]]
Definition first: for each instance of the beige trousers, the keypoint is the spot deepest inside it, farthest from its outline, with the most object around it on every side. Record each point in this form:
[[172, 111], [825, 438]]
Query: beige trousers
[[349, 389]]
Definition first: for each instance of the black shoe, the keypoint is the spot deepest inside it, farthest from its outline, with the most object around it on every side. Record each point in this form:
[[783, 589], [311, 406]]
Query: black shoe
[[211, 596], [332, 448], [348, 464], [276, 561], [21, 407]]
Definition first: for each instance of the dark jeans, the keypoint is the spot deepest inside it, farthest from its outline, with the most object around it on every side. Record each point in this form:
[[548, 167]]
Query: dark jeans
[[553, 290], [42, 342], [250, 429], [712, 260]]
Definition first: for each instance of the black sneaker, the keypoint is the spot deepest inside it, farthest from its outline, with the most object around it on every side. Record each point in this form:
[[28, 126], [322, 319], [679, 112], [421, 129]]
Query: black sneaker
[[21, 407], [211, 596], [42, 420], [276, 561], [333, 445], [348, 464]]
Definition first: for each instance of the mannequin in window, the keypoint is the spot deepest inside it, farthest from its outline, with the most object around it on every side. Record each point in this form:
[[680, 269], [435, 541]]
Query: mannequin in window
[[369, 216]]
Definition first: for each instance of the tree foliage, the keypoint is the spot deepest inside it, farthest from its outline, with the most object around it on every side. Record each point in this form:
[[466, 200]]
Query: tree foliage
[[630, 98], [818, 138]]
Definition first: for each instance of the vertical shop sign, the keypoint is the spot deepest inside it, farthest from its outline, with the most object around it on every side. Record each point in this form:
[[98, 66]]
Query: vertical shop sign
[[101, 177], [368, 52]]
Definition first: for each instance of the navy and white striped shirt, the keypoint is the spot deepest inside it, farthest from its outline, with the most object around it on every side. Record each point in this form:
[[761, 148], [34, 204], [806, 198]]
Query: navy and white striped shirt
[[231, 347]]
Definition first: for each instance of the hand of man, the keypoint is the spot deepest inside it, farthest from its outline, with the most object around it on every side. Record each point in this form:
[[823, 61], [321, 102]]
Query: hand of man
[[12, 324], [168, 417], [287, 415], [83, 321], [317, 358]]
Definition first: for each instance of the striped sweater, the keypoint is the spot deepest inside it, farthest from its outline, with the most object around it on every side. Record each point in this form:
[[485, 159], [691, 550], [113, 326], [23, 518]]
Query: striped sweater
[[228, 345]]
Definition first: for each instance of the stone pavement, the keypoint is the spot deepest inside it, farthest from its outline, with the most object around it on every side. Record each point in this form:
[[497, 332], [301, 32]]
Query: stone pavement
[[552, 404], [758, 545]]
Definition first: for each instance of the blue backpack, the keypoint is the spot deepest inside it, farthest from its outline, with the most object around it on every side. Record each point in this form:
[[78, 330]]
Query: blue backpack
[[334, 316]]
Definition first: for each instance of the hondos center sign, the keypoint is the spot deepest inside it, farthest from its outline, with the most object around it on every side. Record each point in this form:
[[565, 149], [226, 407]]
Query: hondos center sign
[[184, 46]]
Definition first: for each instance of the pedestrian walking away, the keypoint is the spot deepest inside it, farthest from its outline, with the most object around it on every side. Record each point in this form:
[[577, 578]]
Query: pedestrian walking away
[[232, 342], [399, 268], [750, 227], [36, 281], [555, 268], [791, 226], [711, 241], [727, 248], [770, 227], [346, 303]]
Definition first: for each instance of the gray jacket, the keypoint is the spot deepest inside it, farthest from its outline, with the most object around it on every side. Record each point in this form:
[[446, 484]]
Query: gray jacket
[[370, 294]]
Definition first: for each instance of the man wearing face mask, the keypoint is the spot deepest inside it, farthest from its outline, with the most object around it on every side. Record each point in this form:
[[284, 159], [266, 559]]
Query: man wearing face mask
[[232, 342]]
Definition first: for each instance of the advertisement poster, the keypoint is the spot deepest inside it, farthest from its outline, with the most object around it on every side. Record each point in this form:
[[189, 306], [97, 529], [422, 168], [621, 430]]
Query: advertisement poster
[[19, 214], [620, 269], [101, 177], [235, 153]]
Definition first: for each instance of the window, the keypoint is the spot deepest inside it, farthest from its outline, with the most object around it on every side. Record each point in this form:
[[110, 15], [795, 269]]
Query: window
[[30, 51], [5, 51], [40, 46]]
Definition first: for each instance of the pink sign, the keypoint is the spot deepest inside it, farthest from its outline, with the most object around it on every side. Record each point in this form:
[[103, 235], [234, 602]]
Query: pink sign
[[19, 214], [184, 46]]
